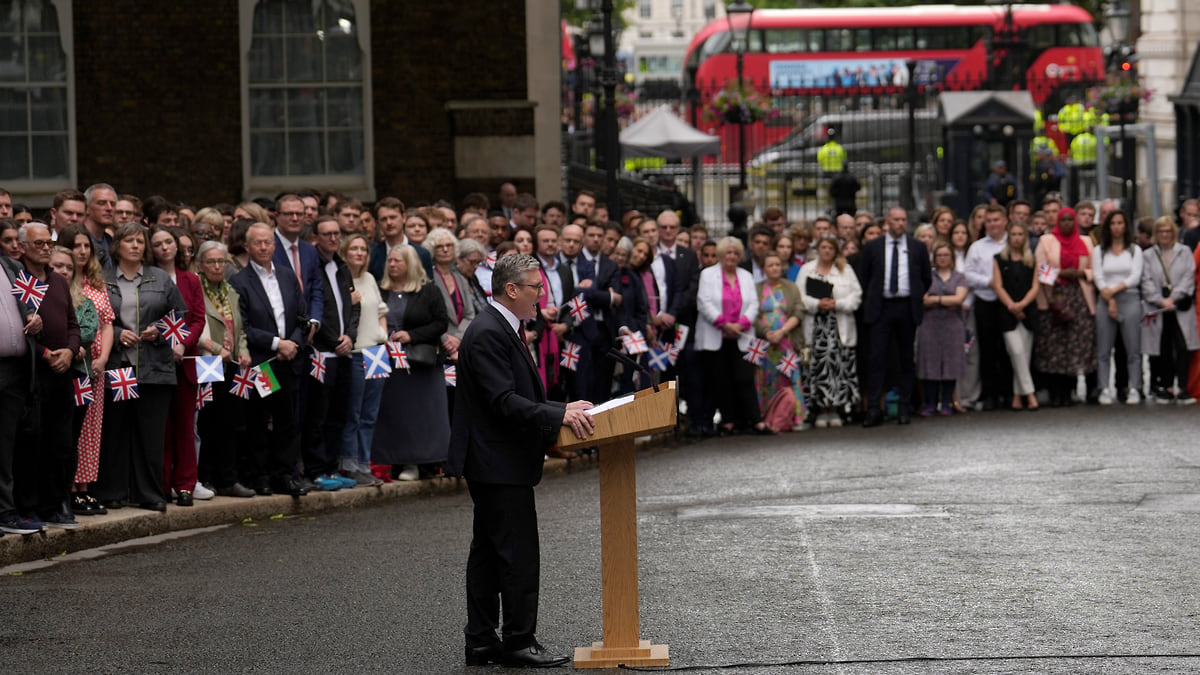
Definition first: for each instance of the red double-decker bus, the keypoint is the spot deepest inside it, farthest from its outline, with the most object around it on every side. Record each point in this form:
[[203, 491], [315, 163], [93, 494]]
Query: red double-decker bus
[[865, 52]]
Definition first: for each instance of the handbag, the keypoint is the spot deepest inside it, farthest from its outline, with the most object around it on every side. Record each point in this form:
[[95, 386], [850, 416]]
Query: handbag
[[1060, 312], [422, 354]]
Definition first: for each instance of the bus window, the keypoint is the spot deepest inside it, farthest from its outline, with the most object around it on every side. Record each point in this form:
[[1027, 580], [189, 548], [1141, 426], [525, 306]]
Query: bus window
[[1040, 37], [816, 40], [715, 44], [885, 39], [1077, 35], [839, 40], [905, 38], [786, 41], [862, 40], [756, 41]]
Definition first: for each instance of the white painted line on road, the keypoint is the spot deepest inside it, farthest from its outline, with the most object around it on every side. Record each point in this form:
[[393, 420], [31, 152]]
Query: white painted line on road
[[101, 551], [811, 511], [819, 588]]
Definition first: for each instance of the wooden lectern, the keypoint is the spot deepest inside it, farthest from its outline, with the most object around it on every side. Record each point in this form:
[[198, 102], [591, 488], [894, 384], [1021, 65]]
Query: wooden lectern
[[615, 429]]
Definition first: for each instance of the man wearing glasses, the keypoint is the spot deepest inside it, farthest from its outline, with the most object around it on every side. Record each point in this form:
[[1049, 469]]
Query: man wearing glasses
[[297, 256]]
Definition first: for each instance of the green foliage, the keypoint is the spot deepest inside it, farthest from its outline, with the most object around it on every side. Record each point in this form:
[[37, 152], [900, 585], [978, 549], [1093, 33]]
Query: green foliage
[[579, 18]]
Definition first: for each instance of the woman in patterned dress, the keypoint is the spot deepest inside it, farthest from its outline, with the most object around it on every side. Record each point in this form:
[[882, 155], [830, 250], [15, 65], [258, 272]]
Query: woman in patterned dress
[[1065, 345], [831, 333], [780, 311], [88, 272]]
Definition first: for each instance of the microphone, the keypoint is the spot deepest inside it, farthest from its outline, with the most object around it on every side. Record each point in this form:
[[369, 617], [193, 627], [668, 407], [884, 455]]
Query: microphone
[[621, 357]]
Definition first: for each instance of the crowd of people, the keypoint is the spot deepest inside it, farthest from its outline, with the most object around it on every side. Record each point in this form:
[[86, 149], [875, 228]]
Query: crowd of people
[[151, 352]]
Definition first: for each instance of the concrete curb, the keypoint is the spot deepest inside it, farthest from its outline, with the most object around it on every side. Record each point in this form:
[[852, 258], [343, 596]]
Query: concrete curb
[[132, 523]]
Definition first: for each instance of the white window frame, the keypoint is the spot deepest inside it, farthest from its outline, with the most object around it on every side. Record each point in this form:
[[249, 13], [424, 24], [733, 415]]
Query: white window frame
[[40, 192], [361, 187]]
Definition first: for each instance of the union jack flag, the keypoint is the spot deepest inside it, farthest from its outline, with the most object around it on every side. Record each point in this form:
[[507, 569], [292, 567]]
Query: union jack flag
[[570, 356], [172, 328], [451, 376], [399, 357], [204, 395], [579, 309], [318, 367], [83, 391], [490, 260], [789, 365], [635, 343], [659, 358], [757, 351], [123, 384], [243, 383], [29, 290]]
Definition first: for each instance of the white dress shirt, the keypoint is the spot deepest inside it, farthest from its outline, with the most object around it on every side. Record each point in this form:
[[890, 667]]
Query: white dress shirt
[[271, 284], [902, 287], [979, 264]]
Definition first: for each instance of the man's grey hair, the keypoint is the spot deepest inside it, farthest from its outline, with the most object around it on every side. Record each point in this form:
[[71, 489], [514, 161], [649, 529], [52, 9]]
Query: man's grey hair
[[23, 232], [468, 246], [511, 269], [87, 194]]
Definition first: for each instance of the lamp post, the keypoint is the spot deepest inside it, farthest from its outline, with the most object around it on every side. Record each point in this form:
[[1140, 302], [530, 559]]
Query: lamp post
[[1118, 17], [738, 14], [602, 45]]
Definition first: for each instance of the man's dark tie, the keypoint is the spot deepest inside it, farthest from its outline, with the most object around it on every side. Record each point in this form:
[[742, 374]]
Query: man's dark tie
[[894, 275]]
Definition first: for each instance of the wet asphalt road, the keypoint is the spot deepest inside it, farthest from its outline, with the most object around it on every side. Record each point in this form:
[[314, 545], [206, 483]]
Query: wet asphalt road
[[1020, 541]]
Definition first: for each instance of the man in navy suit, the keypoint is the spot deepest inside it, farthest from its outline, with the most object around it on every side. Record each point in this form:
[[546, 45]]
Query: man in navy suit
[[895, 277], [389, 218], [687, 281], [292, 251], [272, 309], [668, 301], [597, 332], [502, 426]]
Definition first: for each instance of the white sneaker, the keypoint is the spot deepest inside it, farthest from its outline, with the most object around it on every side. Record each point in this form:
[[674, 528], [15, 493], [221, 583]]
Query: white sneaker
[[1185, 399], [201, 492], [835, 420], [1134, 398], [1106, 398], [822, 421], [409, 472]]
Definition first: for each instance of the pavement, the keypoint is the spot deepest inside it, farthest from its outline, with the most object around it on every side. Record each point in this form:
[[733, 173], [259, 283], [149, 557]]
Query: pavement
[[129, 523]]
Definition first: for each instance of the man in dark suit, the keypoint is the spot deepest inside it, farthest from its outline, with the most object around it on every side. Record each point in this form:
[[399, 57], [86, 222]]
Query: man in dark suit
[[272, 309], [895, 277], [597, 332], [560, 290], [502, 426], [668, 301], [291, 251], [687, 280], [324, 416], [757, 250], [389, 218]]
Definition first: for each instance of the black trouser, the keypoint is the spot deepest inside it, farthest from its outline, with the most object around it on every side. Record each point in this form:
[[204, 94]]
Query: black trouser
[[221, 424], [14, 390], [1173, 358], [272, 440], [321, 439], [503, 567], [995, 368], [131, 449], [894, 324], [730, 380], [44, 464]]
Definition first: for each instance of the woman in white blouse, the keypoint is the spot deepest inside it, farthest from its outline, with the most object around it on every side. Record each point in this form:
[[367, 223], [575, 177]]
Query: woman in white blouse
[[1117, 271], [830, 332]]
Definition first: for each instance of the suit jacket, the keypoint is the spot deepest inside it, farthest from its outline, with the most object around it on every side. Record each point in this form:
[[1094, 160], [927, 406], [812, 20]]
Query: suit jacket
[[598, 298], [326, 338], [687, 281], [634, 312], [193, 297], [873, 264], [310, 267], [502, 421], [425, 319], [259, 319], [377, 264]]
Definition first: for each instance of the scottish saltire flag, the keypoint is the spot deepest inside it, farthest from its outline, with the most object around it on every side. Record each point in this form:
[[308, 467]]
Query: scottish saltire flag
[[204, 395], [209, 369], [243, 383], [83, 391], [451, 375], [29, 289], [375, 362], [570, 356], [757, 351], [173, 329], [659, 358], [123, 384], [789, 365]]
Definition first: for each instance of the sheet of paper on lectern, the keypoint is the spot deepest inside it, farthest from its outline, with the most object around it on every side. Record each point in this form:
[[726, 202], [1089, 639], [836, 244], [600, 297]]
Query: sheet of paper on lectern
[[609, 405]]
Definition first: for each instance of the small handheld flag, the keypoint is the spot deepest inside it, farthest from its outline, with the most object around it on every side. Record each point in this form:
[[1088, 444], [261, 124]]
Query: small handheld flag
[[570, 356], [29, 289], [757, 351], [209, 369], [173, 328], [83, 391], [375, 362], [243, 383], [204, 395], [123, 384]]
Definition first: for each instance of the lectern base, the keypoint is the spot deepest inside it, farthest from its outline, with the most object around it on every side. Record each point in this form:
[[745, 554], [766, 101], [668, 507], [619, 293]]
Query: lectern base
[[597, 656]]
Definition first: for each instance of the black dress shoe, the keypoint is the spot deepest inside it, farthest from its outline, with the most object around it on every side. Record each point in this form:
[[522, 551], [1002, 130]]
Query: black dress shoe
[[184, 498], [80, 505], [113, 504], [873, 419], [288, 486], [481, 656], [903, 418], [263, 487], [534, 656], [161, 507]]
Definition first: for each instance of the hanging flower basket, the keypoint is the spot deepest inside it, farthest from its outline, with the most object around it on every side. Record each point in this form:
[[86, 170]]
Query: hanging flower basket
[[1118, 99], [739, 105]]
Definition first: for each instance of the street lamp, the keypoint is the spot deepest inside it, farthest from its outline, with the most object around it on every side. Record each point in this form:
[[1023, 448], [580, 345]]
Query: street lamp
[[738, 14], [602, 47], [1119, 20]]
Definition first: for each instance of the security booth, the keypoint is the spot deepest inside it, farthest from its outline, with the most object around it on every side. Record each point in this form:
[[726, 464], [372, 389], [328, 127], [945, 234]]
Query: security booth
[[981, 128], [1187, 133]]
